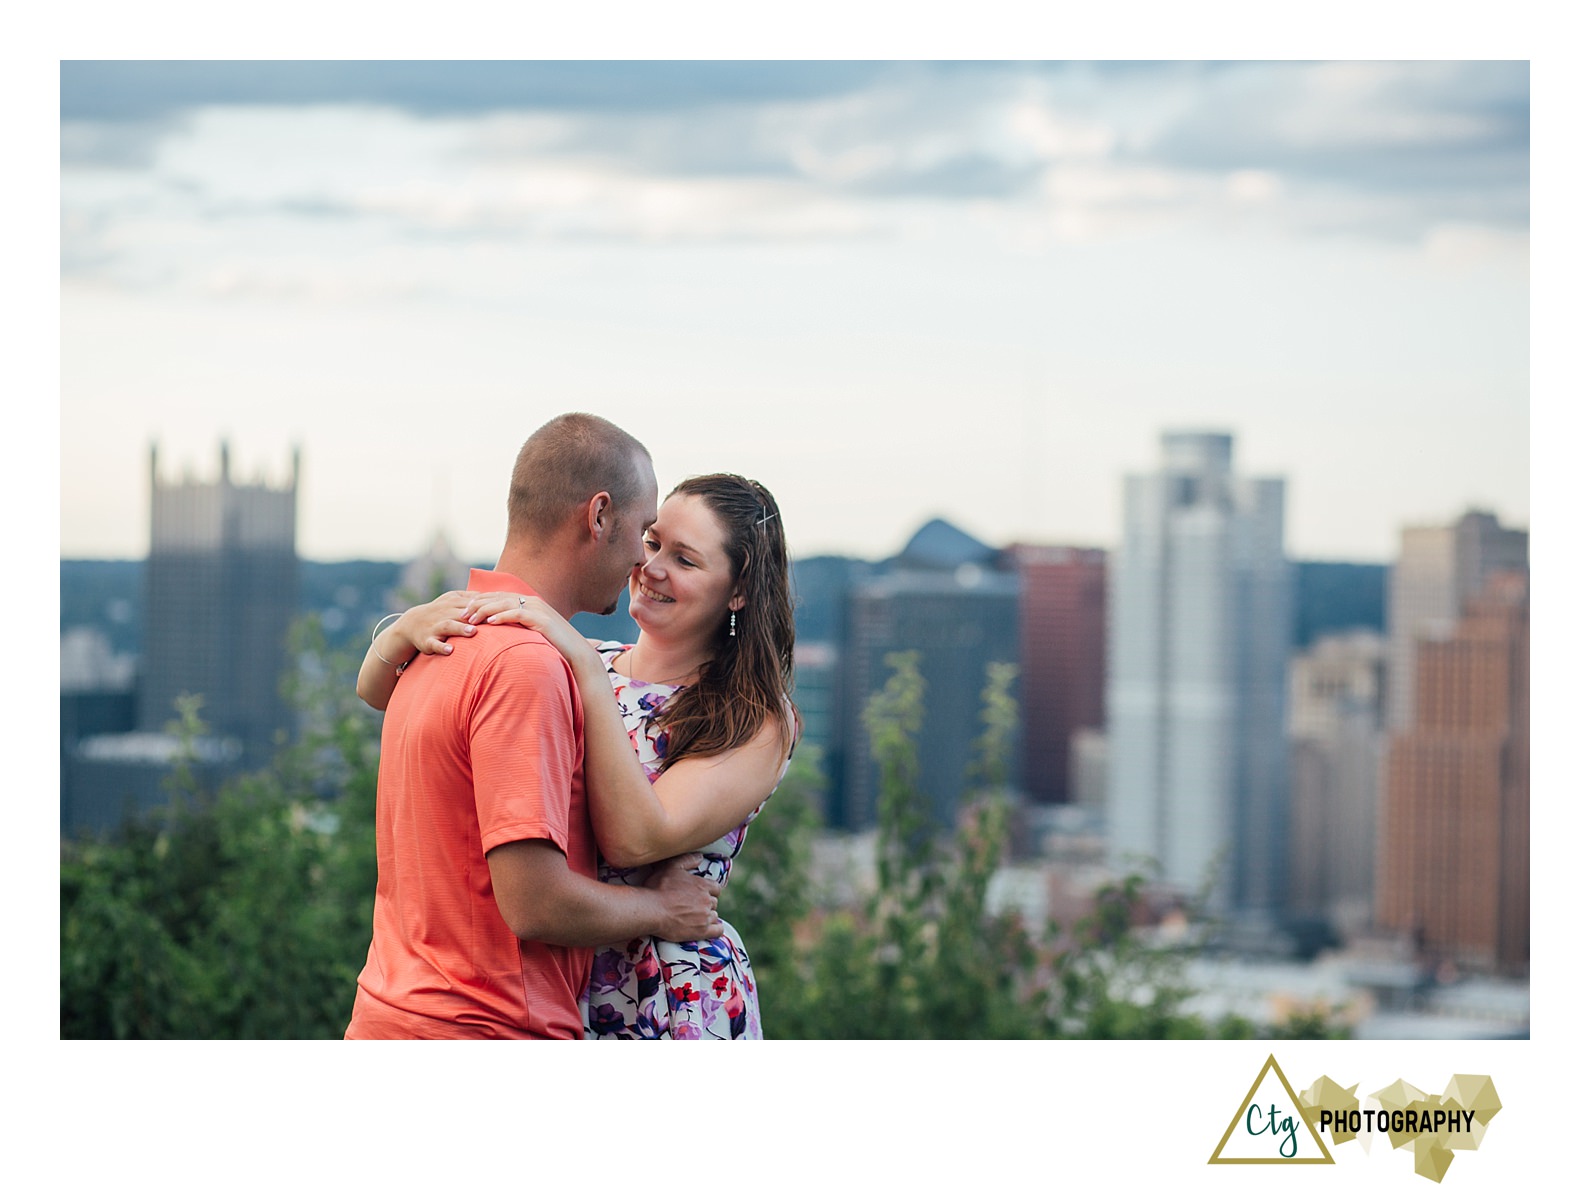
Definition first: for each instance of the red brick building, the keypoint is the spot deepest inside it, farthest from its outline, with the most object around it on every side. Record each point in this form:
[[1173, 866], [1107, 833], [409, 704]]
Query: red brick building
[[1062, 613], [1454, 862]]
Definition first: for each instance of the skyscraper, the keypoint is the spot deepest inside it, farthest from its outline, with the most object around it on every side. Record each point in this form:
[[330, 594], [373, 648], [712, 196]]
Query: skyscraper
[[1438, 570], [946, 598], [1196, 696], [1338, 694], [1454, 863], [1062, 660], [222, 591]]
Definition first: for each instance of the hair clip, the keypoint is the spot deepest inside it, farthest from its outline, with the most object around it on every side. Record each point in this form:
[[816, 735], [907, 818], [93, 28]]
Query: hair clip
[[766, 516]]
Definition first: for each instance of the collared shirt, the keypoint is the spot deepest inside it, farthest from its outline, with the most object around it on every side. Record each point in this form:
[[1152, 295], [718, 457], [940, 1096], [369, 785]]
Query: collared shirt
[[480, 747]]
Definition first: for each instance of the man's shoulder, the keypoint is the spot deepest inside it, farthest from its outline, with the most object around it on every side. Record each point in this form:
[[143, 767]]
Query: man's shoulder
[[518, 671], [513, 651]]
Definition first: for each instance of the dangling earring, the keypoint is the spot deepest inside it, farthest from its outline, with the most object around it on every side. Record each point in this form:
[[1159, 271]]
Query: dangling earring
[[731, 625]]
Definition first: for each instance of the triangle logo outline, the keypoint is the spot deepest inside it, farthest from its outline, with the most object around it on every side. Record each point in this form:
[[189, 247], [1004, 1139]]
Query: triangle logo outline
[[1270, 1064]]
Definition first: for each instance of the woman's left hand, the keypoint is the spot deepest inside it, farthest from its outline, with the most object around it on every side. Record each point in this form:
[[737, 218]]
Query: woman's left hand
[[499, 608]]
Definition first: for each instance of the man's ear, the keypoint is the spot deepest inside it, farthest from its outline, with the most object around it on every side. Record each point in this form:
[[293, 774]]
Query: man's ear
[[599, 516]]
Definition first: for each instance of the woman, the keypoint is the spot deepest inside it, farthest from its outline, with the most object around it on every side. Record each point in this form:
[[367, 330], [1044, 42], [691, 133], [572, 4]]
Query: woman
[[687, 733]]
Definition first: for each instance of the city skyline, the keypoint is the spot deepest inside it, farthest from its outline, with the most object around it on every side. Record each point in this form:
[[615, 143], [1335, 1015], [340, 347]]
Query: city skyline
[[1102, 1088], [890, 291], [273, 474]]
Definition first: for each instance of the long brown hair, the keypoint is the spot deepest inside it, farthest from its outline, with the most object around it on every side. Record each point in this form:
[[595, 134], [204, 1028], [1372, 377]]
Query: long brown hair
[[751, 673]]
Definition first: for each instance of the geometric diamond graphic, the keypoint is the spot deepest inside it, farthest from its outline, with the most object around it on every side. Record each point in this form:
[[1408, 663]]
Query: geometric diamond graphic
[[1450, 1128], [1326, 1095]]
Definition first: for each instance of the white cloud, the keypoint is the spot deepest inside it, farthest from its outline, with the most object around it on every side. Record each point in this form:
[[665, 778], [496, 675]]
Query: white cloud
[[1085, 153], [1254, 187], [1045, 134], [1463, 246], [858, 262]]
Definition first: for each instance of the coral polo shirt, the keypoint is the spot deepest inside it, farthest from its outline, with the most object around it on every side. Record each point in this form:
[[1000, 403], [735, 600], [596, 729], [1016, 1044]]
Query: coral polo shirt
[[480, 747]]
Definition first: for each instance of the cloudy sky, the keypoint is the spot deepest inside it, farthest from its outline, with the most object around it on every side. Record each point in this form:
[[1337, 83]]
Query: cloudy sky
[[888, 290]]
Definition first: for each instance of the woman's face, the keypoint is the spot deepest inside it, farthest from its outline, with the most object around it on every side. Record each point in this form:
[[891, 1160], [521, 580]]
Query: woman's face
[[684, 589]]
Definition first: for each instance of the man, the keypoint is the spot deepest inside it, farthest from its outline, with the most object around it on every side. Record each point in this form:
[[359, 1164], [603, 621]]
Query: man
[[487, 901]]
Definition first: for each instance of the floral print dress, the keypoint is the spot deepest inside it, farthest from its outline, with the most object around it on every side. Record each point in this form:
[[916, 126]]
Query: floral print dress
[[655, 989]]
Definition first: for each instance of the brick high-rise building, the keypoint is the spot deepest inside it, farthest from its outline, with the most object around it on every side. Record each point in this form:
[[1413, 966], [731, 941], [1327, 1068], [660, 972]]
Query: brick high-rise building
[[1439, 568], [1454, 863], [1062, 641]]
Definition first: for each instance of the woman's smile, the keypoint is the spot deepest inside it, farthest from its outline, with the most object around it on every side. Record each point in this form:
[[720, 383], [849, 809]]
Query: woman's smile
[[651, 595]]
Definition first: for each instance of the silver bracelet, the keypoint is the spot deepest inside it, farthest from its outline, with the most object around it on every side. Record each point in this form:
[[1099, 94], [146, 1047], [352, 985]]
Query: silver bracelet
[[376, 632]]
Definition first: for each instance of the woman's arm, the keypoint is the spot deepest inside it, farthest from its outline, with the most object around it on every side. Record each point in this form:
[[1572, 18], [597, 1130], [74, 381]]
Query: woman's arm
[[422, 629], [695, 802]]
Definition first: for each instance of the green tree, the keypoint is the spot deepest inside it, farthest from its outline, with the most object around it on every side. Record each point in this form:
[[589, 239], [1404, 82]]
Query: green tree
[[239, 914], [245, 913], [922, 957], [770, 892], [926, 957]]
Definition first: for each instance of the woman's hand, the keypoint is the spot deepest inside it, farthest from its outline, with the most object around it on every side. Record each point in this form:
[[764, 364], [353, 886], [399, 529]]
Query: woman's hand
[[500, 608], [426, 627]]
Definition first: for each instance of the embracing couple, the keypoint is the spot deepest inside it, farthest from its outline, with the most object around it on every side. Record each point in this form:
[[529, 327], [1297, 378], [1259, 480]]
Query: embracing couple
[[555, 818]]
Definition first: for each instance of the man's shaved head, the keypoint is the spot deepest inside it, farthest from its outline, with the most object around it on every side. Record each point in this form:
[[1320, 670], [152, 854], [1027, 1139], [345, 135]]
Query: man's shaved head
[[566, 462]]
